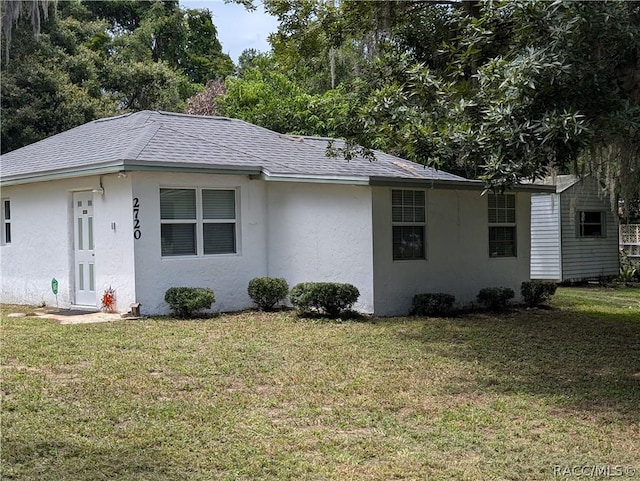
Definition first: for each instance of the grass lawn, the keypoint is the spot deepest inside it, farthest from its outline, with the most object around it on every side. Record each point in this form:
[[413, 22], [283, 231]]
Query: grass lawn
[[520, 395]]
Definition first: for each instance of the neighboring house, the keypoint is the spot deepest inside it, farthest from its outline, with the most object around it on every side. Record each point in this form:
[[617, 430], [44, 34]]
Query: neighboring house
[[574, 232], [150, 200]]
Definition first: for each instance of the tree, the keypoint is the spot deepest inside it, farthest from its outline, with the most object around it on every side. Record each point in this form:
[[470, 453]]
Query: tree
[[502, 91], [52, 83], [93, 59], [205, 102]]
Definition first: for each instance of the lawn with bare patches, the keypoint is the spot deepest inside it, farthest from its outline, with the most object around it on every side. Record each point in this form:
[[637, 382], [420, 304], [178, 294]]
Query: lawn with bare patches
[[271, 396]]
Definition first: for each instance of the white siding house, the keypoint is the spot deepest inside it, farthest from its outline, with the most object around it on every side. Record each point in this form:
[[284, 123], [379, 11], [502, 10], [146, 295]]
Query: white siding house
[[152, 200], [574, 233]]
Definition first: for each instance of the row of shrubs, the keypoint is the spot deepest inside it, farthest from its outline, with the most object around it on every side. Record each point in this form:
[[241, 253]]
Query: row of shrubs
[[332, 299], [534, 293], [326, 298]]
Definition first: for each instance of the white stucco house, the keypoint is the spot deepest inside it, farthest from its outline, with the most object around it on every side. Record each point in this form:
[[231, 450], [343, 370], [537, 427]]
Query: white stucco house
[[150, 200], [574, 231]]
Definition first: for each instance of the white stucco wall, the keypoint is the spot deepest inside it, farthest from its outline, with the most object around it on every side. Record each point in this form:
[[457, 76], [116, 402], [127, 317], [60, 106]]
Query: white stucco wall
[[321, 233], [458, 259], [42, 242], [115, 264], [228, 274]]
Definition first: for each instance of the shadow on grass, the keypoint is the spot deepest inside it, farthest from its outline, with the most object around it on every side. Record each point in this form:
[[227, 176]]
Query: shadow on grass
[[68, 460], [575, 359]]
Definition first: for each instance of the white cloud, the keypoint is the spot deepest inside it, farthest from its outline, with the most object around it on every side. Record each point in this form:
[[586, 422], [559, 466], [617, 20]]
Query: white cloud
[[238, 29]]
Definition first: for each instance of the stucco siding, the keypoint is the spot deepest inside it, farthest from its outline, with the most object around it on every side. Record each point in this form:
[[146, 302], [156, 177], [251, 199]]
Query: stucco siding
[[587, 257], [322, 233], [227, 274], [115, 264], [457, 247], [42, 246], [545, 237]]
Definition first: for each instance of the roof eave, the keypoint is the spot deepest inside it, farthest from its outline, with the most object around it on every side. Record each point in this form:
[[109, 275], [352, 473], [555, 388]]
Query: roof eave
[[428, 183], [313, 178], [60, 174], [128, 166], [453, 184]]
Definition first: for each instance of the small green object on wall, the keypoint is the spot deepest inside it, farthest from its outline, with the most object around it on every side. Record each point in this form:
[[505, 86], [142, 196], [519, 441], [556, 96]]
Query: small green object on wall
[[54, 286]]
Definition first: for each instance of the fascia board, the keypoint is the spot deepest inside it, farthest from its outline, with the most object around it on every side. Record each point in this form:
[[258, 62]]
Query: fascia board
[[122, 166], [312, 178], [453, 184]]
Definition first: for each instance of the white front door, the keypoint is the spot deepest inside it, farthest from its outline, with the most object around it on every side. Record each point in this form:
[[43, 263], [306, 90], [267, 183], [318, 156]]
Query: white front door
[[85, 278]]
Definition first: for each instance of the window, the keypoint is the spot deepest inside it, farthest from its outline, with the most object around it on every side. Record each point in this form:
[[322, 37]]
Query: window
[[197, 222], [591, 224], [502, 225], [408, 224], [6, 221]]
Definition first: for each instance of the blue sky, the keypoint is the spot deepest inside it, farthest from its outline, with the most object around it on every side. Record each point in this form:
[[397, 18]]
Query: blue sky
[[238, 29]]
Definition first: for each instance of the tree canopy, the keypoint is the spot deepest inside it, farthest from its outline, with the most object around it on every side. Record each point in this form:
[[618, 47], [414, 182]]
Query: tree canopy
[[98, 58], [502, 91], [498, 90]]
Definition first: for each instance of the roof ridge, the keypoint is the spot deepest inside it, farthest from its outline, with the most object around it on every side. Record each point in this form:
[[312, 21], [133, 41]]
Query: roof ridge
[[134, 147], [182, 114]]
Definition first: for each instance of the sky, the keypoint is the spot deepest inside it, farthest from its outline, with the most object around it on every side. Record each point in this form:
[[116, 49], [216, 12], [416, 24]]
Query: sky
[[238, 29]]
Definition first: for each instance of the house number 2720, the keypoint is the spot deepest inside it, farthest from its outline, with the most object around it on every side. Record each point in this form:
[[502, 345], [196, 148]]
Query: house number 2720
[[137, 233]]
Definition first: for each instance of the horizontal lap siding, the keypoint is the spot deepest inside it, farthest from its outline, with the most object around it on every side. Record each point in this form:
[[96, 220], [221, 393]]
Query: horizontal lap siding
[[545, 237], [584, 257]]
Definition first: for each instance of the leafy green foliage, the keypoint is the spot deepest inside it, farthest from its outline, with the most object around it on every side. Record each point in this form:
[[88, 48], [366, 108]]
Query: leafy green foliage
[[495, 298], [432, 304], [187, 301], [266, 98], [537, 292], [502, 91], [329, 298], [267, 292], [95, 59]]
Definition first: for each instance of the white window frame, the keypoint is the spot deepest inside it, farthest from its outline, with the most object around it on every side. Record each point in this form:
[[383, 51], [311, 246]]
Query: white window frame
[[403, 223], [500, 224], [200, 221], [6, 223]]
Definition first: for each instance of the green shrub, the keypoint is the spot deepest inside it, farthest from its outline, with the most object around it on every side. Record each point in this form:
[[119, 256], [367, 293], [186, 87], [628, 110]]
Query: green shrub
[[537, 292], [495, 298], [266, 292], [186, 301], [432, 304], [329, 298]]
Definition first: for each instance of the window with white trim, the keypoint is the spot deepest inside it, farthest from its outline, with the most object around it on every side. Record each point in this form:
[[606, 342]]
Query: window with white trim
[[408, 224], [197, 221], [6, 222], [502, 225], [591, 224]]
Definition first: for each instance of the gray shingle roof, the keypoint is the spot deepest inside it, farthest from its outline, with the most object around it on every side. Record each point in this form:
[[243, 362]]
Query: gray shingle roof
[[169, 140]]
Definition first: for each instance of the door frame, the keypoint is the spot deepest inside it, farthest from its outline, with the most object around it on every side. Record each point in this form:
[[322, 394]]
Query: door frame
[[84, 264]]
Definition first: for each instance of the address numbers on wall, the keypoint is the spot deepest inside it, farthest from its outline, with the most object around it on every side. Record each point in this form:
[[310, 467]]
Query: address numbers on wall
[[137, 233]]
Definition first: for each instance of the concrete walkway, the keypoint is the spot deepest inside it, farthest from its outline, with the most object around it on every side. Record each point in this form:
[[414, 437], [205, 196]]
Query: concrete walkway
[[70, 316]]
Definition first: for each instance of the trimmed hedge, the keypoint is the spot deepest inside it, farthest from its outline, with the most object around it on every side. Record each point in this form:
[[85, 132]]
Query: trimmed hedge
[[537, 292], [432, 304], [186, 301], [267, 292], [329, 298], [495, 298]]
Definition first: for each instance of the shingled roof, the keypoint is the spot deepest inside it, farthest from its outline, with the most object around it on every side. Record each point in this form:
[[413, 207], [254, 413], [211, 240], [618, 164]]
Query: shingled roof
[[150, 140]]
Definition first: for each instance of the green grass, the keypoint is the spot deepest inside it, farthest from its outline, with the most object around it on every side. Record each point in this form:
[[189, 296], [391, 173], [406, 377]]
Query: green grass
[[271, 397]]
